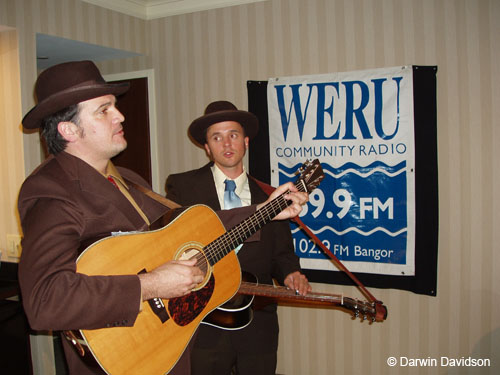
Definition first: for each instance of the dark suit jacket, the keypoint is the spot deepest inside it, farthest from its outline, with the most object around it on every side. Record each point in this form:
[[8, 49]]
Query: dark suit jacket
[[64, 204], [271, 257]]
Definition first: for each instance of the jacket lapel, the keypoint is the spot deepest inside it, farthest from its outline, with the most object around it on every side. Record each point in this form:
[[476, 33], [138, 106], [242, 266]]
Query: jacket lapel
[[206, 188], [94, 184], [258, 196]]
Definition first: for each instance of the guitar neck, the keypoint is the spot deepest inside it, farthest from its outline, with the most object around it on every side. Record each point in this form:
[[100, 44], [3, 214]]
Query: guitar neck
[[312, 298], [220, 247], [284, 293]]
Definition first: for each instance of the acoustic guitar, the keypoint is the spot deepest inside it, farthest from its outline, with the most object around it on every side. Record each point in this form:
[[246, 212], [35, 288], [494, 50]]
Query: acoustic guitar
[[164, 327]]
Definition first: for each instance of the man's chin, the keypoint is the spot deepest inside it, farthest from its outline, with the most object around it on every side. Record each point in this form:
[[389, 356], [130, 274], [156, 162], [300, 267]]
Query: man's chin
[[117, 150]]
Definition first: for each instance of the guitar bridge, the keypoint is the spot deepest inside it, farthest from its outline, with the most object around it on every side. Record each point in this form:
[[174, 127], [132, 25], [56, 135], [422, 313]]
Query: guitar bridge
[[159, 309]]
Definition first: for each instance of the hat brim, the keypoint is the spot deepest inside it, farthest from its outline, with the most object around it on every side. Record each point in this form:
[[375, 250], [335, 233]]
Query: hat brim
[[66, 98], [197, 129]]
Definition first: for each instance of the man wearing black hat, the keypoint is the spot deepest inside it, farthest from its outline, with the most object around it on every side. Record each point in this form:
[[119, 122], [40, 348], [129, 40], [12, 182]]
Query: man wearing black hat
[[225, 132], [77, 196]]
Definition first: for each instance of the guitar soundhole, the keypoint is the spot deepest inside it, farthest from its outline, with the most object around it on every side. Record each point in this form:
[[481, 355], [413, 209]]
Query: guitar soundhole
[[195, 250], [184, 310]]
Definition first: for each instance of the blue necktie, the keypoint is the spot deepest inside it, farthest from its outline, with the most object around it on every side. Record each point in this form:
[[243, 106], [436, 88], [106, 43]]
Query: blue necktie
[[231, 200]]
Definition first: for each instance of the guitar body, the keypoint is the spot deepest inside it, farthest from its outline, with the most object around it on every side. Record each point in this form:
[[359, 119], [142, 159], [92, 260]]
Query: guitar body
[[161, 333], [230, 319], [236, 313]]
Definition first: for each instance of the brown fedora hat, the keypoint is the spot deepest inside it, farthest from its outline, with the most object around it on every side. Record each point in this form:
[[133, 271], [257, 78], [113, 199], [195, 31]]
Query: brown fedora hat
[[63, 85], [220, 111]]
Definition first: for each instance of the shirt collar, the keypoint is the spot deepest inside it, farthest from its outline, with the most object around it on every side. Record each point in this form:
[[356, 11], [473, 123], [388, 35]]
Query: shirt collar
[[220, 177], [113, 172]]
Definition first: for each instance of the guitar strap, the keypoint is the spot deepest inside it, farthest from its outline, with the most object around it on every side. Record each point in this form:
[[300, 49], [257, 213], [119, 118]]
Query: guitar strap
[[380, 311], [157, 197]]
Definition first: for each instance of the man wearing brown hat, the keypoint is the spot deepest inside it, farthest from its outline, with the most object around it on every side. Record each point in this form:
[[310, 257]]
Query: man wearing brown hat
[[77, 196], [224, 132]]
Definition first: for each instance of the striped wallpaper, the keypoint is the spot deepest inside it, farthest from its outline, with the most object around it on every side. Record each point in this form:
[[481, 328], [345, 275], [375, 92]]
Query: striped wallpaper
[[11, 140], [209, 55]]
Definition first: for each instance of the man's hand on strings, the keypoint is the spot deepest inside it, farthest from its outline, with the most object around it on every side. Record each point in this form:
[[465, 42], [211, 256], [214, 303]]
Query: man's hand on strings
[[298, 282], [297, 199], [175, 278]]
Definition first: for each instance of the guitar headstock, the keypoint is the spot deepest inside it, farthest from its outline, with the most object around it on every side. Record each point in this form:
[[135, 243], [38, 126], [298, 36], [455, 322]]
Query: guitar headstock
[[375, 312], [311, 174]]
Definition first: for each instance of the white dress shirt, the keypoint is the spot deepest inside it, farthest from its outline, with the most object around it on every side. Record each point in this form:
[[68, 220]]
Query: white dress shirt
[[242, 187]]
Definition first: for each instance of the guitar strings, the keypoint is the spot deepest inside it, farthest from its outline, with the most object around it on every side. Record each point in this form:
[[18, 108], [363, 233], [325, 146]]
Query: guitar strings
[[238, 234], [220, 247], [353, 304], [224, 244]]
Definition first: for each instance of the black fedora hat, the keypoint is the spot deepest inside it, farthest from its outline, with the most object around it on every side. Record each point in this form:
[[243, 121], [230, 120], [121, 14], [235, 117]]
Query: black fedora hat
[[63, 85], [220, 111]]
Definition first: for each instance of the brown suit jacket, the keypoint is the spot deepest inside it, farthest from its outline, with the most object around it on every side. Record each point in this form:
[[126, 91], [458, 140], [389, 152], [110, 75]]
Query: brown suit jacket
[[65, 205]]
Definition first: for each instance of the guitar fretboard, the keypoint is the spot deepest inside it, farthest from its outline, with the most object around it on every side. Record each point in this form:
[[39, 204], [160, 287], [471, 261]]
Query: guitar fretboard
[[219, 248], [286, 294]]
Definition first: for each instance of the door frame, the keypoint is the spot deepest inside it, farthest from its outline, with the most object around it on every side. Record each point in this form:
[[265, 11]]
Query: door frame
[[153, 123]]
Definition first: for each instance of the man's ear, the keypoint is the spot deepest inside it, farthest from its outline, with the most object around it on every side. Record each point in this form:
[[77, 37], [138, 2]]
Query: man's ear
[[68, 130], [246, 142], [207, 149]]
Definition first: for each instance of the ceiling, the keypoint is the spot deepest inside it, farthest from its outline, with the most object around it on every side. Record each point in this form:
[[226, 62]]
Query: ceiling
[[150, 9], [53, 50]]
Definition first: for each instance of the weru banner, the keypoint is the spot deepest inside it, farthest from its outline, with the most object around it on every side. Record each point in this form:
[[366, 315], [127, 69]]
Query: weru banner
[[360, 126]]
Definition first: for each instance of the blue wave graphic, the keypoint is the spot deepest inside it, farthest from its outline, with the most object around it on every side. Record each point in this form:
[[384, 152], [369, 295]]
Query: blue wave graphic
[[354, 229], [290, 172], [362, 171]]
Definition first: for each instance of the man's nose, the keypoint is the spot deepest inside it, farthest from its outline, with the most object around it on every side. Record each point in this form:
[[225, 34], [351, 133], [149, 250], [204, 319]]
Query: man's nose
[[118, 116]]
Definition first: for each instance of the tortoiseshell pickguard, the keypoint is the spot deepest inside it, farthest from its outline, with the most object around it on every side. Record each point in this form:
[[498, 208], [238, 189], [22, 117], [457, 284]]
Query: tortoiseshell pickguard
[[183, 310]]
